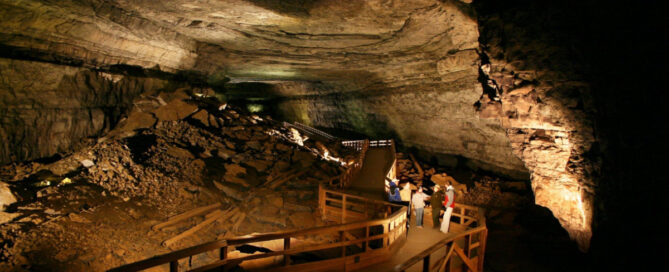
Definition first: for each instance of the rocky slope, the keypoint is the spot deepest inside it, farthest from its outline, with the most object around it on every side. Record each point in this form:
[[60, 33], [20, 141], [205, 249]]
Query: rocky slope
[[164, 159]]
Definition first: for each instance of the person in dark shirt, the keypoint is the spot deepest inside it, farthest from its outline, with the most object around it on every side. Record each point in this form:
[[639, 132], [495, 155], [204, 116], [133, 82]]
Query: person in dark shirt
[[436, 202]]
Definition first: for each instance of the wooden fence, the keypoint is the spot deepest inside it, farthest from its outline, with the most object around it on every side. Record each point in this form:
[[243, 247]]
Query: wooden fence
[[352, 172], [310, 130], [355, 245], [463, 249]]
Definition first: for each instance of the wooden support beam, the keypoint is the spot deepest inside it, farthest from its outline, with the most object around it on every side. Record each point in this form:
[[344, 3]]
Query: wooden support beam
[[192, 230], [417, 165], [183, 216], [444, 261], [240, 219], [465, 258], [283, 180]]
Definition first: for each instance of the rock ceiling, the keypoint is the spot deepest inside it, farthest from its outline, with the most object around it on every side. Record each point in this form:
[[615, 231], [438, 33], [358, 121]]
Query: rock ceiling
[[411, 70]]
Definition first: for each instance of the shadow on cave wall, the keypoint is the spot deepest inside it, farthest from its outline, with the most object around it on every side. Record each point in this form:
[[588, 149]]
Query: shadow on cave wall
[[297, 8]]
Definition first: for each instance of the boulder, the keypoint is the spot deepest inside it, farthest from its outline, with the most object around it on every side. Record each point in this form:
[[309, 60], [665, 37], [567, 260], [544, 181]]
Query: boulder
[[174, 110], [87, 163], [235, 170], [259, 165], [6, 196], [6, 217], [224, 153], [138, 120], [231, 190], [255, 145], [202, 116], [179, 153]]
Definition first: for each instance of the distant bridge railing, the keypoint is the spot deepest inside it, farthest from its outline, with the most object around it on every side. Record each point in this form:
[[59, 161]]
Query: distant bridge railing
[[310, 130]]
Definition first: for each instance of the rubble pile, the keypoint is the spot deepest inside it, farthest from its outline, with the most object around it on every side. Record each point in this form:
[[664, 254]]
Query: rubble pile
[[174, 152]]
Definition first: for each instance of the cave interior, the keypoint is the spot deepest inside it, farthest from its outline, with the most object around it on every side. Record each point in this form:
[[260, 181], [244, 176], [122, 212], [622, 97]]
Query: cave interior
[[118, 114]]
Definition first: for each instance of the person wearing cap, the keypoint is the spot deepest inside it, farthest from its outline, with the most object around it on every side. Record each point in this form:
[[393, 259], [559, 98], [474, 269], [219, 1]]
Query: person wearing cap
[[436, 201], [449, 203], [418, 201], [394, 192], [405, 193]]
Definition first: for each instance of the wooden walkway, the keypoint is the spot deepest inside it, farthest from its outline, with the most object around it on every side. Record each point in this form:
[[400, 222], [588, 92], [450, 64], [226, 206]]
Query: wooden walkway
[[369, 234], [370, 181]]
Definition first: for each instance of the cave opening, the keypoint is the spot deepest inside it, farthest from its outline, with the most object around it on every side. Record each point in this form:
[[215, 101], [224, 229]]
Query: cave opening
[[250, 131]]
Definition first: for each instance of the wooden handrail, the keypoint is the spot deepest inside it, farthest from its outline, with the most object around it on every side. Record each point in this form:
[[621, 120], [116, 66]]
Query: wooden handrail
[[173, 257], [393, 224], [481, 230]]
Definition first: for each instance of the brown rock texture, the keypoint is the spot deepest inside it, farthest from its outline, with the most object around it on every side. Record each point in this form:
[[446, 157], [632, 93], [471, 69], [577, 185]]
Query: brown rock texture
[[47, 108], [536, 89], [469, 83]]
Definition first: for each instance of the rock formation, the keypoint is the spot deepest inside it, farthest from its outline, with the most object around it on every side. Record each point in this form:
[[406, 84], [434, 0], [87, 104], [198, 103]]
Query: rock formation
[[465, 82]]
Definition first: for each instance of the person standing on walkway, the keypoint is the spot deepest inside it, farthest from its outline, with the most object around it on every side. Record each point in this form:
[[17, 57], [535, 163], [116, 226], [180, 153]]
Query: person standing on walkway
[[394, 192], [449, 203], [418, 201], [405, 193], [436, 201]]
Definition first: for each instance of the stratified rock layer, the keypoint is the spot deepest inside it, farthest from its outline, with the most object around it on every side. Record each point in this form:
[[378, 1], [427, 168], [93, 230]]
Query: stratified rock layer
[[412, 70], [535, 87], [47, 108]]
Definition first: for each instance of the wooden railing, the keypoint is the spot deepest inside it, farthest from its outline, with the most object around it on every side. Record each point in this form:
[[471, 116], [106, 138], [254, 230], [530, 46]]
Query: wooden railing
[[355, 144], [310, 130], [352, 171], [463, 249], [381, 143], [354, 245]]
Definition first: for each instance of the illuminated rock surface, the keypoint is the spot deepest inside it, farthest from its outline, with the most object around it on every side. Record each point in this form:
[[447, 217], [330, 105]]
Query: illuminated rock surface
[[474, 84]]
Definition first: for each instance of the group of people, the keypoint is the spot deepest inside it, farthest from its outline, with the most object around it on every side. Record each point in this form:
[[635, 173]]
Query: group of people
[[438, 200]]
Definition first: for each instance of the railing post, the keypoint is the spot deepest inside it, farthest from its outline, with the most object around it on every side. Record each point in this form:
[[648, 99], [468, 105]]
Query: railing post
[[426, 263], [482, 244], [222, 255], [174, 266], [321, 200], [385, 238], [343, 209], [365, 244], [286, 246], [342, 238]]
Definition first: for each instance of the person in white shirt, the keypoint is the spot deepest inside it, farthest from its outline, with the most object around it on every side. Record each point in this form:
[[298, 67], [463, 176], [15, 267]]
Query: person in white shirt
[[418, 201], [405, 193]]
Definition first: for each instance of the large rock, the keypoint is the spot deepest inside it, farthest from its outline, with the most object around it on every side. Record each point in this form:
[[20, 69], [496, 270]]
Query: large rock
[[6, 217], [6, 196], [138, 120], [175, 110], [49, 108]]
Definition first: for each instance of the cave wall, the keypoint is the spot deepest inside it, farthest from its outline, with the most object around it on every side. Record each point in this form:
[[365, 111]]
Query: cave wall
[[91, 33], [437, 119], [536, 81], [47, 108], [501, 84]]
